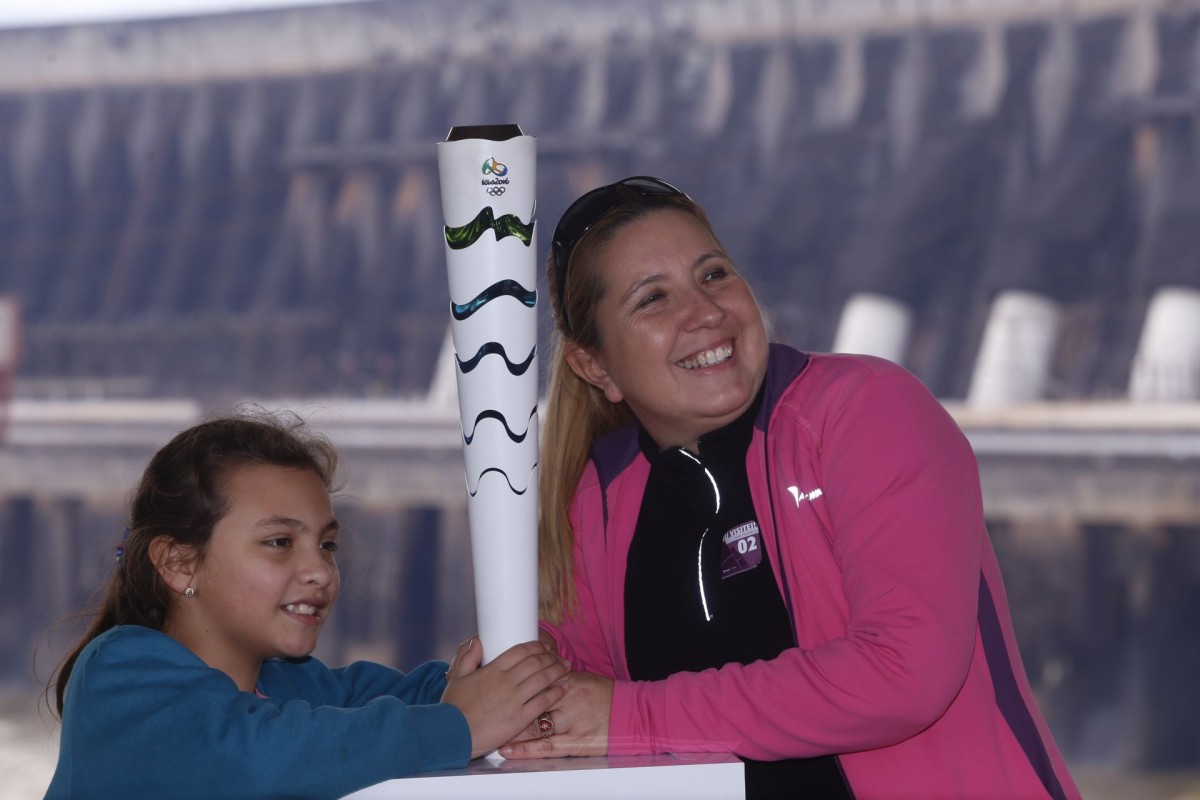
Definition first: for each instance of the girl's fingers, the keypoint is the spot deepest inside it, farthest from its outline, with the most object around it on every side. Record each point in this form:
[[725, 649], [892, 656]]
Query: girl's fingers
[[542, 702], [518, 653], [543, 678], [467, 658], [538, 683], [533, 665]]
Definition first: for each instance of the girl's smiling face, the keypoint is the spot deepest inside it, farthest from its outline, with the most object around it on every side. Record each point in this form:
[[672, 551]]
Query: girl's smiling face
[[268, 579], [682, 340]]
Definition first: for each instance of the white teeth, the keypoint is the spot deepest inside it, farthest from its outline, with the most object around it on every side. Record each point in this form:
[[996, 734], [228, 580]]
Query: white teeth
[[708, 358], [301, 608]]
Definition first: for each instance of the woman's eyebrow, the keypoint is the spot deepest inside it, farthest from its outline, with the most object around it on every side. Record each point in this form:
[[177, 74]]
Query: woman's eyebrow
[[658, 276], [632, 290]]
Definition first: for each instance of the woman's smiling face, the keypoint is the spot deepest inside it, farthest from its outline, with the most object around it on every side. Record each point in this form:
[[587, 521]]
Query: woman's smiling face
[[682, 340]]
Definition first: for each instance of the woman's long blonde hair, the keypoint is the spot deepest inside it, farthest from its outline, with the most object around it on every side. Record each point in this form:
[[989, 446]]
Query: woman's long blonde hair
[[577, 413]]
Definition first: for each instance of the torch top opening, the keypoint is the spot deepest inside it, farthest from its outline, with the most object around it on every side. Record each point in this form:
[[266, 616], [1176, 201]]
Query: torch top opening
[[495, 133]]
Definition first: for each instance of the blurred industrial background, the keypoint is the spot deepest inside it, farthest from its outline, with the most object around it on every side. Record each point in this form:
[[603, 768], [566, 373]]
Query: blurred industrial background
[[1001, 195]]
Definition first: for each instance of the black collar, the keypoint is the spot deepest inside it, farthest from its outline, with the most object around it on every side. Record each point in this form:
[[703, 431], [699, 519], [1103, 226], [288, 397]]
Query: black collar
[[731, 439]]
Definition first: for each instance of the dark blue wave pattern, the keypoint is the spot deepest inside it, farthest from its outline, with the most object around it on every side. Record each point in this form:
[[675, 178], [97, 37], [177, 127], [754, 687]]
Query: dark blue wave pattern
[[491, 413], [495, 348], [508, 480], [507, 287]]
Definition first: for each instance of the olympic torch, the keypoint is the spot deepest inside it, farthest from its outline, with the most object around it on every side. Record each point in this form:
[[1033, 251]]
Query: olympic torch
[[488, 177]]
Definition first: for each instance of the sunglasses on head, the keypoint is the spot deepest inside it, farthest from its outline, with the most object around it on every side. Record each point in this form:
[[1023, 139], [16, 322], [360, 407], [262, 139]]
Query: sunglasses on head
[[584, 213]]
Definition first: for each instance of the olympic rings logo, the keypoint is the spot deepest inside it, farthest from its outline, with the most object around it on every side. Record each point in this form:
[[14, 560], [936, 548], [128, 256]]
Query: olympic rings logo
[[495, 191]]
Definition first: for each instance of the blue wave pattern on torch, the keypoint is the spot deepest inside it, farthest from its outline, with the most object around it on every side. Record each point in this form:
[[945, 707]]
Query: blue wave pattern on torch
[[505, 288]]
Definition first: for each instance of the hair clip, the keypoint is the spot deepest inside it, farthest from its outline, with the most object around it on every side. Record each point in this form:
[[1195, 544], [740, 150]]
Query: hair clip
[[119, 553]]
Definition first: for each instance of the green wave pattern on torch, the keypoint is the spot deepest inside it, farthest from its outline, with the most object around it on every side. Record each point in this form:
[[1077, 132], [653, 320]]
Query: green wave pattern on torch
[[508, 225]]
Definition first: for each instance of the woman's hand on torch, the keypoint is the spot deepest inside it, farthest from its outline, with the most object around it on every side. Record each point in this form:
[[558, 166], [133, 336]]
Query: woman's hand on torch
[[579, 723], [506, 696]]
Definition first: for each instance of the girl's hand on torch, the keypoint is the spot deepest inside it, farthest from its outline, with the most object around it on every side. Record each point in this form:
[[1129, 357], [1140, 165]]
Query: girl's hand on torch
[[507, 695], [580, 723]]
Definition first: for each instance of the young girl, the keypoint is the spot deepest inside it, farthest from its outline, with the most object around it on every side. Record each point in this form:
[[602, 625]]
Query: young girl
[[195, 679]]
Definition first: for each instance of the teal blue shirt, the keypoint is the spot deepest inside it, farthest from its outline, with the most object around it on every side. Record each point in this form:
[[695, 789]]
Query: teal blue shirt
[[144, 717]]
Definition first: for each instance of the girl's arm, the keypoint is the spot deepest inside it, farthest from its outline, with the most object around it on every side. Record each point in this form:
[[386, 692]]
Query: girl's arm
[[146, 718], [361, 682]]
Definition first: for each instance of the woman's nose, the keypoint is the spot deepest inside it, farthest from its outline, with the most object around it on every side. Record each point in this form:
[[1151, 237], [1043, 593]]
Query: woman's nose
[[703, 310]]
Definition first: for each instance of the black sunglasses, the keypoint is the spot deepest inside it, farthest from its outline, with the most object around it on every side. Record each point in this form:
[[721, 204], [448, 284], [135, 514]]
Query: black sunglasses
[[584, 213]]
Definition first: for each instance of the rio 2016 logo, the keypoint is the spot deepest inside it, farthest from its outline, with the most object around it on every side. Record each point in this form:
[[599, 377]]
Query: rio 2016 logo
[[495, 185], [494, 167]]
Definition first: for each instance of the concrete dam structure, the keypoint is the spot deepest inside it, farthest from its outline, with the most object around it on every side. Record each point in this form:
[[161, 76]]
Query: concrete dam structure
[[1001, 195]]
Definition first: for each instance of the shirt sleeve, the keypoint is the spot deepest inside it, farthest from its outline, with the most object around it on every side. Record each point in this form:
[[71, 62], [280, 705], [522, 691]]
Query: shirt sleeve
[[146, 718], [363, 681], [907, 535]]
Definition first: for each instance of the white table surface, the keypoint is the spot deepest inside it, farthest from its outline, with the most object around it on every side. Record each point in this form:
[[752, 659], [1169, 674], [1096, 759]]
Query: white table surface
[[696, 776]]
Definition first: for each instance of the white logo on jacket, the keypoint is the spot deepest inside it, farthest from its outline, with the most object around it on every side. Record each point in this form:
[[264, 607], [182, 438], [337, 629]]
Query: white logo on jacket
[[798, 495]]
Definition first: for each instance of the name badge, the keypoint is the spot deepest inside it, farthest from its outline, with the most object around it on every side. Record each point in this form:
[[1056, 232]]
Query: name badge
[[741, 549]]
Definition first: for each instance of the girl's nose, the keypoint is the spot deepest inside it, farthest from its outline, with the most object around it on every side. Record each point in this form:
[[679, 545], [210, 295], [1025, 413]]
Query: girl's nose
[[318, 570]]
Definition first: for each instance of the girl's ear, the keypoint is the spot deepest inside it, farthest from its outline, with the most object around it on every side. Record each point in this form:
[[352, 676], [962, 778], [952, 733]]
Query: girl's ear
[[176, 563], [589, 368]]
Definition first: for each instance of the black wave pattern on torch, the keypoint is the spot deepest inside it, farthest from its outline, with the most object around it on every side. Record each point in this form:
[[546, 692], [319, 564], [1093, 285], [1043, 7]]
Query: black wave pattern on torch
[[507, 480], [491, 413], [463, 236], [505, 288], [495, 348]]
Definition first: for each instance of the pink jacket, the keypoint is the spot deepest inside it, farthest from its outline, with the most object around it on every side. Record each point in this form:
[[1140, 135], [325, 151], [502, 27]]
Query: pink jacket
[[869, 504]]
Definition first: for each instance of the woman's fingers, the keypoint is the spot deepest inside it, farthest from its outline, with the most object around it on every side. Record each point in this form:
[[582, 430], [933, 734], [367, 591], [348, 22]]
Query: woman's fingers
[[533, 730], [580, 720], [549, 747]]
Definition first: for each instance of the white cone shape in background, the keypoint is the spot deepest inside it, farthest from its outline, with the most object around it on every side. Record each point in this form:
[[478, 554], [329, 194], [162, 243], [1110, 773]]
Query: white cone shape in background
[[874, 325], [1167, 366], [1018, 344], [488, 204], [10, 351], [9, 335]]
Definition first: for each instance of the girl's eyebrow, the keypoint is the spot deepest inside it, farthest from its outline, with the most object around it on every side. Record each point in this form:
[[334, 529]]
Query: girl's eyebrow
[[288, 522]]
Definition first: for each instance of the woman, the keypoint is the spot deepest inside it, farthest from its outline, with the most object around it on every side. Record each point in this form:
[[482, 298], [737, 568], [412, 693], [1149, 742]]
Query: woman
[[759, 550]]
